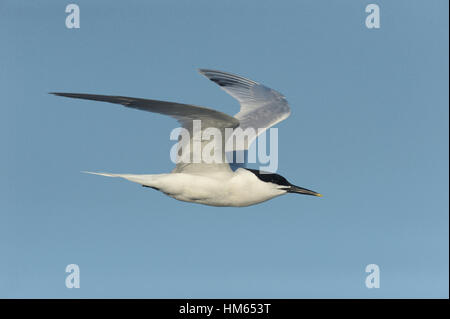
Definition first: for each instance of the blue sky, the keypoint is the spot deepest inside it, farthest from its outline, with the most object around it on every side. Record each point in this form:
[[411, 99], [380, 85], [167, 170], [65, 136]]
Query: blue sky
[[369, 130]]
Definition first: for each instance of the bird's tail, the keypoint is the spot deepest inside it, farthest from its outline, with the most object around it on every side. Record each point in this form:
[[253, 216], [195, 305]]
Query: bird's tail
[[146, 179]]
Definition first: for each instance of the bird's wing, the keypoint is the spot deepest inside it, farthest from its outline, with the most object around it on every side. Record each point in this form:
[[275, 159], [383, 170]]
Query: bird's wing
[[261, 107], [184, 113]]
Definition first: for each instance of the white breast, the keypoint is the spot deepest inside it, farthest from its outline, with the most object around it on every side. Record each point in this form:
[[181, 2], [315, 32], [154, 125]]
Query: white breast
[[239, 188]]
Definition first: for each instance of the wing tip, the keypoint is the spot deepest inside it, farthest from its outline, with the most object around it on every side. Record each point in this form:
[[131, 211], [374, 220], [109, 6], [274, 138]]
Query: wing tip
[[64, 94], [209, 72], [205, 72], [223, 78]]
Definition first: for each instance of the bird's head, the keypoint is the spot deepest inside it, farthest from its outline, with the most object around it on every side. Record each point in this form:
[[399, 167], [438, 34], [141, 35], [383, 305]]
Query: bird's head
[[282, 183]]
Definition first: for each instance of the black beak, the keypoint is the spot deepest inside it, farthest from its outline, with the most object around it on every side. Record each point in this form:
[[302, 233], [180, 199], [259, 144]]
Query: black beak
[[301, 190]]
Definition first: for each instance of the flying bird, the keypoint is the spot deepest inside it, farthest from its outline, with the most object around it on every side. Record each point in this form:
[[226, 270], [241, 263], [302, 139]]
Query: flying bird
[[215, 184]]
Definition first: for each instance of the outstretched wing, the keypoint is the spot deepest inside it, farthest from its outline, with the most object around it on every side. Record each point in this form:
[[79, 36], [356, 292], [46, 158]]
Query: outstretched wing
[[184, 113], [261, 107]]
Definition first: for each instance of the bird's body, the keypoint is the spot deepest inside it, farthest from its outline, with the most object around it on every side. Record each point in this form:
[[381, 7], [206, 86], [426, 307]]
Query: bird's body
[[221, 188], [215, 183]]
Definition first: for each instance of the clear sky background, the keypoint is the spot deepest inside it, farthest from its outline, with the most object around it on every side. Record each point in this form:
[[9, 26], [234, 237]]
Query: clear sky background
[[369, 130]]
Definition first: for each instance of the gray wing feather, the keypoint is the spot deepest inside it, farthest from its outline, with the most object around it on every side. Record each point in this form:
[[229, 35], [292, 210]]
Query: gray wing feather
[[184, 113], [261, 107]]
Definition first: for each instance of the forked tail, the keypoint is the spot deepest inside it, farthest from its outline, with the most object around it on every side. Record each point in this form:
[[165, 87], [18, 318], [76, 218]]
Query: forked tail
[[144, 179]]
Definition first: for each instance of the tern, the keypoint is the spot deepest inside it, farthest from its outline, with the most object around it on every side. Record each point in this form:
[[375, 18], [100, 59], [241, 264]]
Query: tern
[[215, 184]]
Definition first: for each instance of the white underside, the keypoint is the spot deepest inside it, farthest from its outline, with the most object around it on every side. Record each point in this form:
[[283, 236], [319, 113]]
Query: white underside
[[222, 188]]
